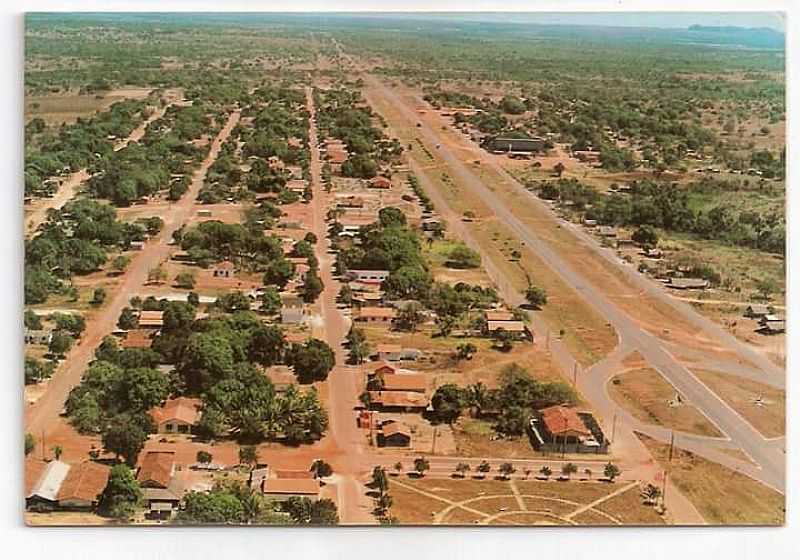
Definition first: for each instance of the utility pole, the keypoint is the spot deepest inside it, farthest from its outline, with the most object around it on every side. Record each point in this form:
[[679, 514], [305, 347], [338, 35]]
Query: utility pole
[[666, 470], [43, 455], [614, 427], [575, 374]]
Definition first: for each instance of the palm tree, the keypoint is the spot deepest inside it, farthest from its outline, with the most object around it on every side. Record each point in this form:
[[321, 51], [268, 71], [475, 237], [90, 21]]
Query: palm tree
[[651, 493], [462, 469], [57, 451], [588, 473], [568, 469], [398, 466], [546, 471], [484, 468]]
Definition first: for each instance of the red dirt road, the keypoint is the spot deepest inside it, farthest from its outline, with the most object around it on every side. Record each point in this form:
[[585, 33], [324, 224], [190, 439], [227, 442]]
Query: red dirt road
[[43, 416], [348, 442]]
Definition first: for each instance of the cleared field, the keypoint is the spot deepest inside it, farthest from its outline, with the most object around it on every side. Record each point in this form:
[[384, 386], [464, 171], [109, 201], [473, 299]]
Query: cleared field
[[424, 501], [761, 405], [473, 440], [721, 495], [68, 108], [628, 508], [587, 335], [650, 398]]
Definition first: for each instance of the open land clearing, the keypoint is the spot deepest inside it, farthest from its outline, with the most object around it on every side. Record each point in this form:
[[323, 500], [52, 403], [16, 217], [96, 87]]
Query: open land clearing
[[495, 502], [722, 495]]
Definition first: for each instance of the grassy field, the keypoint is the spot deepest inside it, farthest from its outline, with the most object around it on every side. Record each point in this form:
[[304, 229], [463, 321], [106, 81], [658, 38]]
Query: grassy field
[[57, 109], [769, 417], [587, 335], [647, 395], [721, 495]]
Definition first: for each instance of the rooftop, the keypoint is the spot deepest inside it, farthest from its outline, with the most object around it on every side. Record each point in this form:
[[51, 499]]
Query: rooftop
[[511, 326], [183, 409], [308, 486], [84, 481], [499, 315], [562, 420], [156, 467], [377, 312], [399, 398], [405, 382]]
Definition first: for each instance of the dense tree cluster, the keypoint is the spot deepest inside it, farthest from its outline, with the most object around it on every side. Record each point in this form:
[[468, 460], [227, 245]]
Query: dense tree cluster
[[74, 240], [161, 160], [676, 208], [49, 153], [214, 241], [518, 394], [342, 113]]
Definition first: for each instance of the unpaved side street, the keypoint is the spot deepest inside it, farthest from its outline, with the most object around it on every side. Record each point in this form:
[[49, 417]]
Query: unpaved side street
[[44, 414]]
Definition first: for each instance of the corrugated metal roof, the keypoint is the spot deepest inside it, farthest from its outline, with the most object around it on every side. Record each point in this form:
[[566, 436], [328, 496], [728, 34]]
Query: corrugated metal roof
[[49, 484]]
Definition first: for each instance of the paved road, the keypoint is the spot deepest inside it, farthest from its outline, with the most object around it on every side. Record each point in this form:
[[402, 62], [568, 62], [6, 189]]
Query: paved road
[[633, 457], [42, 416], [650, 347], [69, 188]]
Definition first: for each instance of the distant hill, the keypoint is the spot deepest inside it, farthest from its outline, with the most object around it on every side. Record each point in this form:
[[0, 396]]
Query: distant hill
[[757, 37]]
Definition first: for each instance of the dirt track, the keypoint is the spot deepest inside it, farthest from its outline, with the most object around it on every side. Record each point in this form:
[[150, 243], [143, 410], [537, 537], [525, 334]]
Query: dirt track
[[43, 415], [71, 184]]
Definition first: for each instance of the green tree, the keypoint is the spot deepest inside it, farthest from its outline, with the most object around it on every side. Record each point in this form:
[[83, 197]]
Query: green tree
[[448, 401], [278, 273], [536, 296], [421, 464], [185, 280], [127, 319], [379, 479], [266, 345], [125, 436], [312, 286], [506, 470], [484, 468], [122, 494], [359, 348], [57, 451], [270, 300], [569, 469], [462, 256], [465, 351], [321, 469], [204, 457], [30, 443], [410, 316], [60, 344], [462, 469], [233, 301], [248, 455], [311, 361], [312, 512], [546, 471], [120, 263], [611, 471], [99, 296], [646, 236]]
